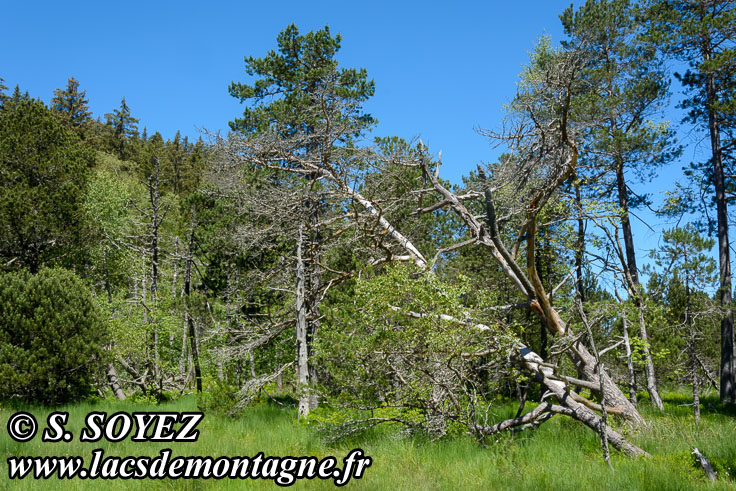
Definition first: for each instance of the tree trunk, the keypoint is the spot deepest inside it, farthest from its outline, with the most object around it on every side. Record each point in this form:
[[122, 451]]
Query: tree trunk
[[580, 246], [651, 379], [190, 322], [694, 374], [586, 365], [623, 201], [301, 333], [112, 379], [629, 360], [571, 407], [603, 425], [728, 354], [692, 354]]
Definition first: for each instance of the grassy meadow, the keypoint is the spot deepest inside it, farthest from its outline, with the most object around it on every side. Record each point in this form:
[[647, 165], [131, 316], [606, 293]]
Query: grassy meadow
[[561, 454]]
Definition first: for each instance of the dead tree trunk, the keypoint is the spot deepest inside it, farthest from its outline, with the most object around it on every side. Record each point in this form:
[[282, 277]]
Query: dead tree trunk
[[603, 425], [651, 378], [112, 379], [629, 360], [192, 334], [112, 375], [301, 332], [530, 286]]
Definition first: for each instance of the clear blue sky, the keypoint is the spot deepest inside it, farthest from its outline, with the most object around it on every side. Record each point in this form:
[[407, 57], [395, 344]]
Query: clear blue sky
[[441, 69]]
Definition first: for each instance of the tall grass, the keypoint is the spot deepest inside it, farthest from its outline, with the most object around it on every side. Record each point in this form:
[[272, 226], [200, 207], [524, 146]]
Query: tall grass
[[560, 455]]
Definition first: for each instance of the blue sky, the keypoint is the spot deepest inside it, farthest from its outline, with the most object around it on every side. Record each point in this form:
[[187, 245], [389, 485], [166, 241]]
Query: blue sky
[[441, 69]]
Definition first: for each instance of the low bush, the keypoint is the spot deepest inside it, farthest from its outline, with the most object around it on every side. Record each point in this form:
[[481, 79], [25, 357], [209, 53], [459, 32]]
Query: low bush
[[51, 337]]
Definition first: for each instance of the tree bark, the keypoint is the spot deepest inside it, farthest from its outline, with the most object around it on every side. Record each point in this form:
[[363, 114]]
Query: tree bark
[[651, 378], [571, 407], [112, 379], [192, 333], [603, 425], [580, 245], [728, 354], [301, 332], [629, 360], [623, 201]]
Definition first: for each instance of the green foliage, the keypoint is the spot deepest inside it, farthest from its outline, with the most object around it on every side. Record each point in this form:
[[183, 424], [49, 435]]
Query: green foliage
[[627, 88], [684, 252], [702, 35], [106, 207], [290, 79], [683, 278], [122, 131], [72, 107], [51, 337], [3, 88], [43, 177], [220, 398], [388, 350]]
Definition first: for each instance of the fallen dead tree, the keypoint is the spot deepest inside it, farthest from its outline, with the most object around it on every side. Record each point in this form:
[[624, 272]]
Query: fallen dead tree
[[544, 157]]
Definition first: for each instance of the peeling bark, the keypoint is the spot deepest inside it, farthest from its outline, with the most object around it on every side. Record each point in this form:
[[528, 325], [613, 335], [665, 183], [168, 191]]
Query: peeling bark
[[301, 333]]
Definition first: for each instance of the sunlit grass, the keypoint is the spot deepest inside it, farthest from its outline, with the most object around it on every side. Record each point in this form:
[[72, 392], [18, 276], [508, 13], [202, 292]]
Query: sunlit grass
[[560, 455]]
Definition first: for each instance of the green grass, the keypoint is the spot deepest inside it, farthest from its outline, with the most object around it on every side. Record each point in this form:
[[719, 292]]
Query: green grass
[[560, 455]]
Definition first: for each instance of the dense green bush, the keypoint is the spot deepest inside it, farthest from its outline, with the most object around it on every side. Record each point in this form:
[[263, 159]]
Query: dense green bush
[[43, 176], [51, 337]]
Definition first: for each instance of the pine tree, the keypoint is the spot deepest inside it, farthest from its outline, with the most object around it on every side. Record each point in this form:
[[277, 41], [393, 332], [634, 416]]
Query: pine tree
[[44, 172], [72, 107], [629, 86], [290, 80], [3, 88], [123, 128], [296, 90], [703, 34], [684, 256]]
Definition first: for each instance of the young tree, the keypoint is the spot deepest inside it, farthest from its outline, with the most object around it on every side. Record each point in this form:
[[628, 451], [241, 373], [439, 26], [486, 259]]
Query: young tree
[[122, 128], [51, 337], [683, 254]]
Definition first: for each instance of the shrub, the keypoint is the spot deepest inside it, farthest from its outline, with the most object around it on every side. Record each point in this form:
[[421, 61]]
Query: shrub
[[51, 337], [219, 399]]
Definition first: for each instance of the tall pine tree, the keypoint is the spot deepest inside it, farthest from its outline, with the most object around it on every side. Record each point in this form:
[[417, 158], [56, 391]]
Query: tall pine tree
[[629, 87], [703, 34], [123, 128], [287, 100], [72, 107]]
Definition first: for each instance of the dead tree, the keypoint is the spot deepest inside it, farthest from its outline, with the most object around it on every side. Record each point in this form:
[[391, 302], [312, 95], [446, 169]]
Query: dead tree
[[547, 158], [191, 331]]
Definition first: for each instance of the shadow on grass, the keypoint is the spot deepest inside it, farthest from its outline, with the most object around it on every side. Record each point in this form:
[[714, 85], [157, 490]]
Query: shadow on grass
[[709, 403]]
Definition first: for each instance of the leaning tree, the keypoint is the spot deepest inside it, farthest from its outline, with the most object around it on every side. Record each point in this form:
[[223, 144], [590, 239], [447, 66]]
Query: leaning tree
[[542, 136]]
